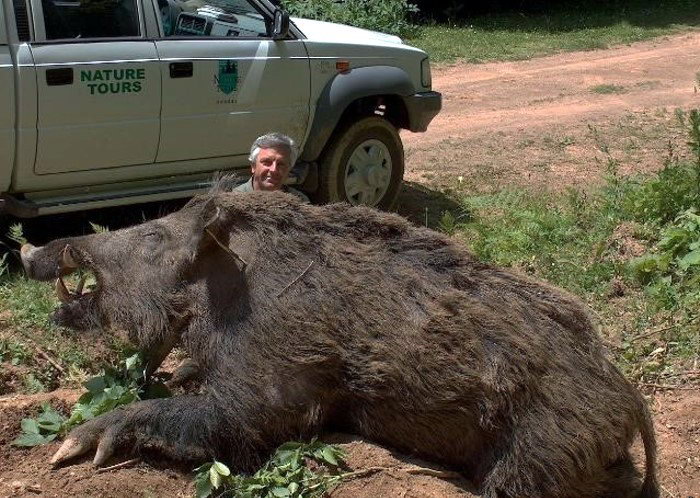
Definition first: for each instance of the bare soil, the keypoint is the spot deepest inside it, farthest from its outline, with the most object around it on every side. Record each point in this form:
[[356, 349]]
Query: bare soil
[[543, 123], [26, 472], [548, 123]]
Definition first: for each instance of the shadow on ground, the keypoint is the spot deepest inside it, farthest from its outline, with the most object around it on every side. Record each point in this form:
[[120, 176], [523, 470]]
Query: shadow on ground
[[425, 207]]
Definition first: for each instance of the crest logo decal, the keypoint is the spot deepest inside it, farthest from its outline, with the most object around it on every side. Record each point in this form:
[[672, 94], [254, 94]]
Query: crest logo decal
[[227, 79]]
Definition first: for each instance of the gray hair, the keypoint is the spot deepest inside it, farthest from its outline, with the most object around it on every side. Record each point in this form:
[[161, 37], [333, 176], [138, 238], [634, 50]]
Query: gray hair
[[274, 140]]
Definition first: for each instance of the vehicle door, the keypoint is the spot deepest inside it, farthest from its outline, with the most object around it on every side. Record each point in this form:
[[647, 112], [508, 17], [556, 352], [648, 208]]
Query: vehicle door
[[7, 105], [98, 85], [226, 81]]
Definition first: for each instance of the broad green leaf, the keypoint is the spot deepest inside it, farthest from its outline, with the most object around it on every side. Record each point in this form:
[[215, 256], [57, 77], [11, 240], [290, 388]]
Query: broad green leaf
[[290, 445], [31, 439], [293, 488], [329, 456], [280, 492], [115, 392], [214, 477], [133, 361], [95, 385], [203, 488], [49, 419], [221, 469], [85, 398], [30, 426], [286, 456], [690, 259]]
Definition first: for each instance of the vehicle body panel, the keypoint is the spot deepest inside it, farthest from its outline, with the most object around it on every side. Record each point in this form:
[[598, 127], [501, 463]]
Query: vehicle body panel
[[95, 141], [7, 107], [203, 117], [98, 100], [109, 116], [26, 118], [329, 32]]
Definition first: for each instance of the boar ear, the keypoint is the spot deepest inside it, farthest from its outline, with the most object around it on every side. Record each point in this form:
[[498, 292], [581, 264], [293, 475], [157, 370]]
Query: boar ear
[[211, 233]]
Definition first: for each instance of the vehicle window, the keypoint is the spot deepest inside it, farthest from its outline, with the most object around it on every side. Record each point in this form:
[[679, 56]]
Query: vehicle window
[[22, 20], [213, 18], [90, 18]]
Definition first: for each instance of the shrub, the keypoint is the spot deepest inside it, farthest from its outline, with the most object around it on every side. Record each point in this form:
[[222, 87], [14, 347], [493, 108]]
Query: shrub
[[676, 188], [388, 16]]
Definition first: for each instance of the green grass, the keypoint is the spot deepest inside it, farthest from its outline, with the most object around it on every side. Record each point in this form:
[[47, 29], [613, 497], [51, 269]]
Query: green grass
[[516, 36], [608, 89], [26, 334]]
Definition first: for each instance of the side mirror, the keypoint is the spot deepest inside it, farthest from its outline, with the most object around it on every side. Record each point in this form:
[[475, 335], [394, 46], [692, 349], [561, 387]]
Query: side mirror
[[280, 28]]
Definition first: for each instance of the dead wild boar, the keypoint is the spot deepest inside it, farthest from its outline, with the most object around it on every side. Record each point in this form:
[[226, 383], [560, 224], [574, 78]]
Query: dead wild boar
[[305, 318]]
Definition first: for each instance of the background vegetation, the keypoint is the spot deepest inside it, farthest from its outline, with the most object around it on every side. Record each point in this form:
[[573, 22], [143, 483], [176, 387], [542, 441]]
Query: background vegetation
[[484, 30]]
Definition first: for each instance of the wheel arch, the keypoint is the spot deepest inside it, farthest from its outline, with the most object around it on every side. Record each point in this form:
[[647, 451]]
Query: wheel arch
[[364, 91]]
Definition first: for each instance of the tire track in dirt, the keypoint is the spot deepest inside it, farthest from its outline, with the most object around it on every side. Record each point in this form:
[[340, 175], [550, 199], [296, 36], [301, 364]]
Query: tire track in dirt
[[488, 109]]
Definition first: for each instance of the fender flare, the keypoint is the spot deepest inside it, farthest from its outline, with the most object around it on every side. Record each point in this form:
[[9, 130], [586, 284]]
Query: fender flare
[[343, 90]]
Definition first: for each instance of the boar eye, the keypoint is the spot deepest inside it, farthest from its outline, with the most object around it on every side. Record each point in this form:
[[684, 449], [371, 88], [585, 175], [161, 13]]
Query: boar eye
[[152, 236]]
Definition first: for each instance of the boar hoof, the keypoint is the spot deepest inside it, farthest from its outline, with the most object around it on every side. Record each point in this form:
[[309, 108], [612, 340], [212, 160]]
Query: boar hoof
[[101, 433], [70, 448]]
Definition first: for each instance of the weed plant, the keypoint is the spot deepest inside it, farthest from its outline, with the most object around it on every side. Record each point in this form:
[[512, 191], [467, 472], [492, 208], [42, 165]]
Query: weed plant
[[286, 474], [104, 393]]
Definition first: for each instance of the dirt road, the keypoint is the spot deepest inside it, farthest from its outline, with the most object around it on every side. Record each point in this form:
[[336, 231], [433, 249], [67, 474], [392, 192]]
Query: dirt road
[[543, 122]]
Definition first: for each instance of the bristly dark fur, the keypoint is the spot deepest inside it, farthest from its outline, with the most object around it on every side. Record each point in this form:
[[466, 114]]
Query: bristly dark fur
[[223, 182], [395, 332]]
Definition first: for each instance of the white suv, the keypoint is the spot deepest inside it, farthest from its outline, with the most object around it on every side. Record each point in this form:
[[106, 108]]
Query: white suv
[[108, 102]]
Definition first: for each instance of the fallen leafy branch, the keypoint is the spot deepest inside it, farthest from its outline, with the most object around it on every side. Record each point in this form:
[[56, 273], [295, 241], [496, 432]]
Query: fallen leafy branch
[[104, 393]]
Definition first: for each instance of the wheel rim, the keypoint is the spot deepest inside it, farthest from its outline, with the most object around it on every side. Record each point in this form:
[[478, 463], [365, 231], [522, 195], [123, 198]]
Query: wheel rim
[[368, 173]]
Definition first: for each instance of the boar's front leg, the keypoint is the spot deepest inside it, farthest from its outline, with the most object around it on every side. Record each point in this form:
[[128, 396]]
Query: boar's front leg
[[191, 428]]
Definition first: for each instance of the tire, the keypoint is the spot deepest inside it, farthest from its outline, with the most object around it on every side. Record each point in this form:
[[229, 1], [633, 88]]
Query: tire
[[363, 164]]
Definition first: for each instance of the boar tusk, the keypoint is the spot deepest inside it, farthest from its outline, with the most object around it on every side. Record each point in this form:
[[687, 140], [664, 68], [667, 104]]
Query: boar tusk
[[67, 261], [62, 292], [81, 284]]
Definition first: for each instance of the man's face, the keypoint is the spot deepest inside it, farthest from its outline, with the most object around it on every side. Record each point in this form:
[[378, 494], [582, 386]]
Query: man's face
[[271, 168]]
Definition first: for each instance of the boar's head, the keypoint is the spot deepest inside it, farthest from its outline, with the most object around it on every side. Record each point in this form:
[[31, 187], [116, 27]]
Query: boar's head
[[143, 274]]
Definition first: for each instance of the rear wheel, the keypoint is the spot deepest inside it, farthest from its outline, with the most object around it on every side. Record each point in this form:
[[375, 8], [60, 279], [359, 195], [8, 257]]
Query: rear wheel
[[363, 164]]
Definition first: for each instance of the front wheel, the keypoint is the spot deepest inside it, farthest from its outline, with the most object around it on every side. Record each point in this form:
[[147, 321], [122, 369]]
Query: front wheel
[[363, 165]]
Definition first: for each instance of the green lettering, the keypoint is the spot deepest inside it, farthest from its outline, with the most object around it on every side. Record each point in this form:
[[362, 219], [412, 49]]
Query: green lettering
[[103, 88], [97, 76], [85, 76], [136, 86], [115, 87], [107, 73], [126, 87], [92, 86], [130, 74], [141, 74], [118, 74]]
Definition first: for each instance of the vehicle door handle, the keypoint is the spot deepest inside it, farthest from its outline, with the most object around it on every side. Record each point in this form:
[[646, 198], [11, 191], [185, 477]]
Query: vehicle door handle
[[59, 76], [181, 70]]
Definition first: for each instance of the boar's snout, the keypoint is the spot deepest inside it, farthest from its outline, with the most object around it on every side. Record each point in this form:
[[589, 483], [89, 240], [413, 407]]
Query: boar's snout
[[28, 255], [47, 263]]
